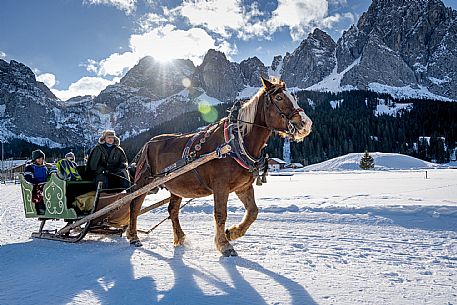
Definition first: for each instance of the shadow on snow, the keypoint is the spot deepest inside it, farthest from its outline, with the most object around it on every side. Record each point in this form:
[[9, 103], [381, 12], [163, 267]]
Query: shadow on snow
[[53, 273]]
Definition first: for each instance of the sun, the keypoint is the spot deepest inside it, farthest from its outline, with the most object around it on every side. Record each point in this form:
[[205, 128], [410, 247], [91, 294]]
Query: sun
[[163, 55]]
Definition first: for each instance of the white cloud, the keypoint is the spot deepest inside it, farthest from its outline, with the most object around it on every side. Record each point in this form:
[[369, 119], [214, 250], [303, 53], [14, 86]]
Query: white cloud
[[230, 17], [330, 21], [169, 42], [150, 20], [298, 16], [48, 79], [128, 6], [2, 54], [218, 16], [84, 86], [91, 65], [163, 43], [116, 64], [338, 2]]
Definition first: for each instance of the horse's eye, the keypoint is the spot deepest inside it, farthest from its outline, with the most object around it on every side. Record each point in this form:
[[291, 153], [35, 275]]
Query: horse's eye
[[278, 97]]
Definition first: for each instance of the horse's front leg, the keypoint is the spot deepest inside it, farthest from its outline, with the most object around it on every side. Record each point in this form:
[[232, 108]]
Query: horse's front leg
[[247, 198], [135, 208], [220, 217]]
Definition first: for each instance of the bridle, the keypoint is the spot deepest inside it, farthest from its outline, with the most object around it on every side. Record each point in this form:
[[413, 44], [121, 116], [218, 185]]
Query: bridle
[[291, 129]]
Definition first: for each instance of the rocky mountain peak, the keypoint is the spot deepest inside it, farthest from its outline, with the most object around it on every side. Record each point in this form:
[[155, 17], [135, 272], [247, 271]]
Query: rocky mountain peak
[[252, 69], [276, 65], [219, 77], [419, 37], [311, 61], [321, 37], [157, 79], [20, 71], [16, 76], [213, 55]]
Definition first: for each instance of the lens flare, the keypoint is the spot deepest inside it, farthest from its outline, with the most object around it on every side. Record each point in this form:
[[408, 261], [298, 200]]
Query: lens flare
[[209, 113], [186, 82]]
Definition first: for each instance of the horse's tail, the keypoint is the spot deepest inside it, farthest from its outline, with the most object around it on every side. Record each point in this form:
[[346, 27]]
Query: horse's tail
[[140, 169]]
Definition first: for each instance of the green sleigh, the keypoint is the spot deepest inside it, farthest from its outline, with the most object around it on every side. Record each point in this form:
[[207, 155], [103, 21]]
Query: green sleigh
[[58, 195], [54, 196]]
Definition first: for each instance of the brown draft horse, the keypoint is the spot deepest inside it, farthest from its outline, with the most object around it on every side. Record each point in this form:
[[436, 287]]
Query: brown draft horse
[[272, 108]]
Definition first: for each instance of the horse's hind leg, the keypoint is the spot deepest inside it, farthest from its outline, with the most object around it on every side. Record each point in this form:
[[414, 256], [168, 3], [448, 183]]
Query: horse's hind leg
[[135, 208], [247, 198], [173, 211]]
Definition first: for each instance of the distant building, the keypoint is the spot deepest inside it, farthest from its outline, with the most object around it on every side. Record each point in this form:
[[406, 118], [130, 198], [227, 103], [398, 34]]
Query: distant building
[[427, 140], [10, 164], [294, 165], [9, 169], [275, 164]]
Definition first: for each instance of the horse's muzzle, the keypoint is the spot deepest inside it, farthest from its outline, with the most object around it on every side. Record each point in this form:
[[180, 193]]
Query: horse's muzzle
[[302, 127]]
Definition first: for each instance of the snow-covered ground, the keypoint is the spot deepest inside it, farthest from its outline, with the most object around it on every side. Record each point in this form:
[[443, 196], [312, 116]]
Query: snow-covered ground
[[382, 161], [349, 237]]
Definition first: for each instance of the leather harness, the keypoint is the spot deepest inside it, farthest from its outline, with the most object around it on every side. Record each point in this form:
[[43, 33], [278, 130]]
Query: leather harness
[[232, 136]]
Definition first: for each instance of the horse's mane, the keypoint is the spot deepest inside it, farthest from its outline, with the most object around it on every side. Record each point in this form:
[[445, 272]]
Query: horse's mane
[[247, 113], [249, 109]]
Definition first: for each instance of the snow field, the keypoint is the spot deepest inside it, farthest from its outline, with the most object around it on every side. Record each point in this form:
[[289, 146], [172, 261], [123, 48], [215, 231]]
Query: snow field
[[376, 237]]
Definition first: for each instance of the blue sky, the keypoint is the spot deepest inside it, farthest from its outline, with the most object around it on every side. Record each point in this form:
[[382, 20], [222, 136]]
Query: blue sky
[[79, 47]]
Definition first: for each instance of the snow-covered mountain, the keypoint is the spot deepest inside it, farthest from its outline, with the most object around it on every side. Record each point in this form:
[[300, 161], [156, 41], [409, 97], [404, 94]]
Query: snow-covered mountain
[[406, 48], [223, 79], [29, 111], [311, 62]]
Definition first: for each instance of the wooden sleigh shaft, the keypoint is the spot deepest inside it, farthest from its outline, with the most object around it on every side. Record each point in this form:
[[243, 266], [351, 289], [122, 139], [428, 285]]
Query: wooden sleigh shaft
[[153, 184]]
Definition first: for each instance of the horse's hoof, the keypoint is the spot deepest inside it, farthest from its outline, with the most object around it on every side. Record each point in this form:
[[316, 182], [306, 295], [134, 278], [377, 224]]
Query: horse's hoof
[[137, 243], [179, 241], [229, 251]]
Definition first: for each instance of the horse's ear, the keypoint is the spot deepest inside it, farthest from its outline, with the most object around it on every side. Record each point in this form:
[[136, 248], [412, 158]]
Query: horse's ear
[[266, 83], [282, 84]]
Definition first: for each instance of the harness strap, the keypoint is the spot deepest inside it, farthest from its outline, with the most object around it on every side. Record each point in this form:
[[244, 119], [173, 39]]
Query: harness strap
[[228, 140], [200, 180]]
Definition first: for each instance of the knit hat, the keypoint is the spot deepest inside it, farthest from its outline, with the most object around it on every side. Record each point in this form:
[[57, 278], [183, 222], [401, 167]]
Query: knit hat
[[108, 133], [70, 155], [36, 154]]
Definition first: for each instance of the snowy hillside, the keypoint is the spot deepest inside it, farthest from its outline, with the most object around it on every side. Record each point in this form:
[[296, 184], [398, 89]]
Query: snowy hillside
[[386, 237], [382, 161]]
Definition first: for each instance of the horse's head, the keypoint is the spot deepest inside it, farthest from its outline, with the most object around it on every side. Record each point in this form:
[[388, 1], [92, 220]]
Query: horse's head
[[282, 112]]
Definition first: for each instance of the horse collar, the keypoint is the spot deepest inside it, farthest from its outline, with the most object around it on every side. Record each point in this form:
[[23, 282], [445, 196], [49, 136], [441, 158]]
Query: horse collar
[[234, 138]]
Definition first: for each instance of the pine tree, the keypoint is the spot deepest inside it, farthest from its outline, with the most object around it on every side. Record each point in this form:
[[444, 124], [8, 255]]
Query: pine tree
[[367, 161]]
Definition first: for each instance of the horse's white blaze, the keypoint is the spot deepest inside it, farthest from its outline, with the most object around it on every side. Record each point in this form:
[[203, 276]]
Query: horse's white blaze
[[305, 119]]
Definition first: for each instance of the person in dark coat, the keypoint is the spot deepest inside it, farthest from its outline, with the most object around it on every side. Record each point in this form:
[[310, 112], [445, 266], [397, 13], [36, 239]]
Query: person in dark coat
[[37, 173], [108, 163]]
